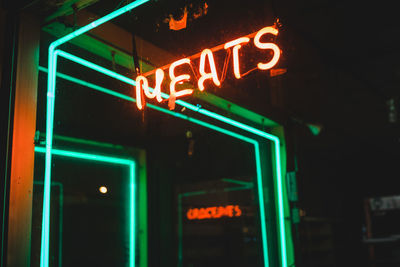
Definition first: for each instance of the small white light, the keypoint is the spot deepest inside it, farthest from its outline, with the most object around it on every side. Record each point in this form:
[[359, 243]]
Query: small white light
[[103, 189]]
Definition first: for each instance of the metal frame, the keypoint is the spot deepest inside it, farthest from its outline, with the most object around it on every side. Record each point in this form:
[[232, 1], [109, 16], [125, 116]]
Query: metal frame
[[52, 70]]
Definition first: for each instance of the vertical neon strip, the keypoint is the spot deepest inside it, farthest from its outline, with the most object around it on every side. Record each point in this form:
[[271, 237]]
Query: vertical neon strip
[[52, 64], [260, 190], [280, 202], [44, 252], [60, 225], [132, 217]]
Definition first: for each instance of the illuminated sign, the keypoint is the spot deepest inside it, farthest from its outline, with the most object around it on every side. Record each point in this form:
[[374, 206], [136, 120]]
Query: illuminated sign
[[206, 57], [214, 212]]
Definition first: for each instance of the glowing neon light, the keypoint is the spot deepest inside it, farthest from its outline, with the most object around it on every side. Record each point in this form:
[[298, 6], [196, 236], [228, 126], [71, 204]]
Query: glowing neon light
[[205, 124], [222, 119], [44, 262], [176, 79], [236, 44], [204, 76], [214, 212], [141, 83], [132, 219], [272, 46], [113, 160], [213, 74], [52, 65], [157, 88]]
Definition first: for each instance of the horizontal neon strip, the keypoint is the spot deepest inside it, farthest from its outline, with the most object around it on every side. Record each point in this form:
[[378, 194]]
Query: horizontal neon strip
[[97, 23], [80, 155]]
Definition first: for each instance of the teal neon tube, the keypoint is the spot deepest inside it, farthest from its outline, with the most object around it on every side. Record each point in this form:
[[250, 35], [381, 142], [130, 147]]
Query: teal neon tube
[[199, 122], [216, 116], [98, 22], [132, 215], [49, 132], [52, 65], [132, 181]]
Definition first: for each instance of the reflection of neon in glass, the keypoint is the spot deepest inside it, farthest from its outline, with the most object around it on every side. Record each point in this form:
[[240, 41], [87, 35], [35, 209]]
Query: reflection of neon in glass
[[52, 66], [214, 212], [113, 160], [236, 44]]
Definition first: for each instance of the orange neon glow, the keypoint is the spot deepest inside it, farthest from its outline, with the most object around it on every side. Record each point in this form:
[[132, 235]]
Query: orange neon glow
[[212, 74], [180, 78], [272, 46], [214, 212], [141, 83], [236, 44], [157, 89], [204, 76]]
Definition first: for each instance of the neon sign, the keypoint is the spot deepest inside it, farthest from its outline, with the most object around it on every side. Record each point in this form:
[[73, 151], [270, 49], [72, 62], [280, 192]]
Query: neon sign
[[214, 212], [206, 56]]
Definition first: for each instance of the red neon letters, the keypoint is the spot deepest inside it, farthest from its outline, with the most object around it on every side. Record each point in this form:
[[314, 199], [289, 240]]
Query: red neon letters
[[236, 44], [214, 212], [142, 84], [213, 74]]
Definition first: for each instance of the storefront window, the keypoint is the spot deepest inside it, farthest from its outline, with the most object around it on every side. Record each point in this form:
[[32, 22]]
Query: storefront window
[[158, 178]]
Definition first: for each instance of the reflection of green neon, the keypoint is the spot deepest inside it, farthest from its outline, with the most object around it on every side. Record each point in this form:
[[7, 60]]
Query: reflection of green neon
[[112, 160], [207, 125], [52, 64]]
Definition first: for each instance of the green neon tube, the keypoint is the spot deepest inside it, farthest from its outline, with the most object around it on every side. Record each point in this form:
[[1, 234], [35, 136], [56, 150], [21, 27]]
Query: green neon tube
[[49, 130], [98, 22], [261, 202], [132, 194], [132, 216], [215, 128], [52, 64], [90, 85], [80, 155], [204, 124], [217, 117]]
